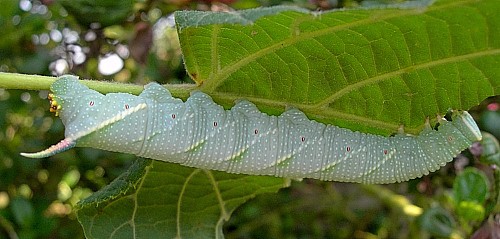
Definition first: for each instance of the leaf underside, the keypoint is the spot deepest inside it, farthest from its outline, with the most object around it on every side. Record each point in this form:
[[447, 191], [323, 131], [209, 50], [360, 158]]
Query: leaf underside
[[371, 70], [162, 200]]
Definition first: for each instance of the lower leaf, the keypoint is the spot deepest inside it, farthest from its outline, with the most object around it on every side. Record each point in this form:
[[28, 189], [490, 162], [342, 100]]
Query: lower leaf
[[155, 199]]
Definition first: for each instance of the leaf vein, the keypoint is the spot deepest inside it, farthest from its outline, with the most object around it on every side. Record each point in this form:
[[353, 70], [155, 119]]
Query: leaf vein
[[324, 103]]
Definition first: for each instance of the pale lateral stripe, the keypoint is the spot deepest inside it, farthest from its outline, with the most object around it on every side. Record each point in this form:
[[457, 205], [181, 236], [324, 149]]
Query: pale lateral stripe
[[107, 122]]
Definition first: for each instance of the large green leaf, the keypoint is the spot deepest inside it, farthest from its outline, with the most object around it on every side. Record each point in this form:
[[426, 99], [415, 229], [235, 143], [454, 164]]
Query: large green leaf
[[163, 200], [365, 69]]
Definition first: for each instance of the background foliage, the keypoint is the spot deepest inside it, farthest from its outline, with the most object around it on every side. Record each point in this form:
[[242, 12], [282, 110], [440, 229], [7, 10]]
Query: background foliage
[[37, 197]]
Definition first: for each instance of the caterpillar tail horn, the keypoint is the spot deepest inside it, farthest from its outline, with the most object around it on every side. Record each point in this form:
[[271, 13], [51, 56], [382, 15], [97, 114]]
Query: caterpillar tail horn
[[70, 141], [62, 146]]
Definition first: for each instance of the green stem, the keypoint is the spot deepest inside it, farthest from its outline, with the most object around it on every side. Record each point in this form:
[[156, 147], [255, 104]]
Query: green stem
[[25, 82], [37, 82]]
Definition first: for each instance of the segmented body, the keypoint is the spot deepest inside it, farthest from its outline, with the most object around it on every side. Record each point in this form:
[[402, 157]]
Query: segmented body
[[200, 133]]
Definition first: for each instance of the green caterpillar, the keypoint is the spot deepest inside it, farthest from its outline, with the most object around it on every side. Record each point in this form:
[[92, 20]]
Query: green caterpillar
[[199, 133]]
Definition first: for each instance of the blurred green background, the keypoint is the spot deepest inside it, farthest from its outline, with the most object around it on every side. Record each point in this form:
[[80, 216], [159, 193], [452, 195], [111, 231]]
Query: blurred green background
[[135, 41]]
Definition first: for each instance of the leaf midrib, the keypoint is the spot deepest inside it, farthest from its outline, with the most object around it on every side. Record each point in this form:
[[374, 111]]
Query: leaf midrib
[[224, 213], [321, 109], [179, 202]]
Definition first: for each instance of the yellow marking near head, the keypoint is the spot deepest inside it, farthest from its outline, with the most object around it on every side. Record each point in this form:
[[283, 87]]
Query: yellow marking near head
[[54, 106]]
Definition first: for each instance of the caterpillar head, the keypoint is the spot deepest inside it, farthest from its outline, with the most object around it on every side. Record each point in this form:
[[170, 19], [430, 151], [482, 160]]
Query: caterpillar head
[[466, 124]]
